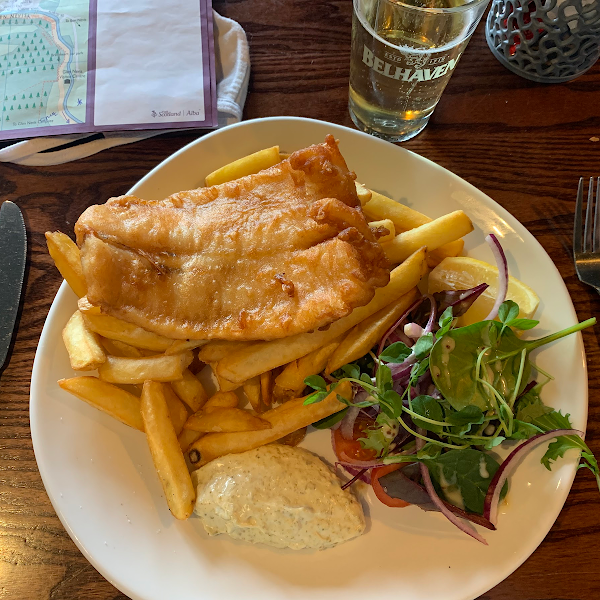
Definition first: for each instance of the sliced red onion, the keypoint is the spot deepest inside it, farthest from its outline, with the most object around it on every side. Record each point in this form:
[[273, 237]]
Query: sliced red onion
[[439, 502], [398, 336], [360, 393], [371, 412], [361, 474], [444, 509], [425, 380], [397, 324], [500, 257], [400, 370], [432, 314], [344, 459], [473, 517], [399, 387], [434, 392], [348, 461], [508, 466], [347, 423]]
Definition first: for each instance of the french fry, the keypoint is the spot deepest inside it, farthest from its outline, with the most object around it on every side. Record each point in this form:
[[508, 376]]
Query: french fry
[[446, 229], [222, 400], [263, 356], [182, 345], [363, 193], [177, 410], [293, 376], [384, 230], [226, 420], [294, 438], [362, 337], [224, 384], [247, 165], [450, 249], [116, 329], [83, 345], [435, 257], [266, 391], [108, 398], [187, 437], [66, 256], [190, 390], [403, 217], [138, 370], [166, 452], [284, 419], [281, 394], [116, 348], [136, 390], [252, 391], [215, 350]]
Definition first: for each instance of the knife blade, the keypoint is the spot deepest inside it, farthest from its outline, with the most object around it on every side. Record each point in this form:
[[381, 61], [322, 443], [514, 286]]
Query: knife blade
[[13, 254]]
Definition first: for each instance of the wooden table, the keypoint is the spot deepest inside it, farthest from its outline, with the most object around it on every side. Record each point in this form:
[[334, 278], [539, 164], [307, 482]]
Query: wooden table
[[523, 144]]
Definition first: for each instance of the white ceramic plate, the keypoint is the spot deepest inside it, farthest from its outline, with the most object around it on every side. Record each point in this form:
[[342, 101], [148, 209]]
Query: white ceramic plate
[[102, 484]]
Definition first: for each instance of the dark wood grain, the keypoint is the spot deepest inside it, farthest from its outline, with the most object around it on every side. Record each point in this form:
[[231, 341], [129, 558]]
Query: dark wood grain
[[522, 143]]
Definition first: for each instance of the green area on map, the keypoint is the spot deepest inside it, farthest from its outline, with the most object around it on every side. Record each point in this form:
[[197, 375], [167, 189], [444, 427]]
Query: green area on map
[[43, 63]]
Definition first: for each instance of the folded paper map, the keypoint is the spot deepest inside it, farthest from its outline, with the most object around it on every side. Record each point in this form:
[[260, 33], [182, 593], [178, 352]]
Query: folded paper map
[[69, 66]]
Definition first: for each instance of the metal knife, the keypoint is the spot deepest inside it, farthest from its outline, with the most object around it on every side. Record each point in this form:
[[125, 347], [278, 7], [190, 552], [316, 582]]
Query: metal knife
[[13, 253]]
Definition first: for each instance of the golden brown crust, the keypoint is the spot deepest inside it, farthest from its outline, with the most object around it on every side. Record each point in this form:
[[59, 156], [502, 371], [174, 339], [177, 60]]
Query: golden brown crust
[[262, 257]]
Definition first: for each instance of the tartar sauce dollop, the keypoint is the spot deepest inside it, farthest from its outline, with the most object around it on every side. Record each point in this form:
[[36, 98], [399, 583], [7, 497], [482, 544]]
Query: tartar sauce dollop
[[278, 495]]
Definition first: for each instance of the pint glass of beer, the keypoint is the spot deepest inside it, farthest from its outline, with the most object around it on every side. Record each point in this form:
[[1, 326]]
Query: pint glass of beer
[[403, 54]]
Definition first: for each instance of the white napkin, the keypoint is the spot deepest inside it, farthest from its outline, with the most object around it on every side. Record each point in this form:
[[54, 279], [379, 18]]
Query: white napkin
[[233, 73]]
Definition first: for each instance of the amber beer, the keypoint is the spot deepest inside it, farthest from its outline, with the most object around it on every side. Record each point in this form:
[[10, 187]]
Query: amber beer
[[403, 55]]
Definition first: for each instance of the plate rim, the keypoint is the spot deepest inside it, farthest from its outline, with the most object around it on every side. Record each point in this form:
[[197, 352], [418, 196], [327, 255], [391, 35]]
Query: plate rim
[[498, 210]]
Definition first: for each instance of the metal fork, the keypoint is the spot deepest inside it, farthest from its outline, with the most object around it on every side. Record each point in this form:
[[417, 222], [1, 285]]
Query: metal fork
[[586, 238]]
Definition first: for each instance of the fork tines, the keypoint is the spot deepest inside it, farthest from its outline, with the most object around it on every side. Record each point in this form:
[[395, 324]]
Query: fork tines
[[587, 241]]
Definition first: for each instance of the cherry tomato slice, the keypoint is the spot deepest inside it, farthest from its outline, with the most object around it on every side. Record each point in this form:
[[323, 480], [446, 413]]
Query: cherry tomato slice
[[352, 448], [378, 488]]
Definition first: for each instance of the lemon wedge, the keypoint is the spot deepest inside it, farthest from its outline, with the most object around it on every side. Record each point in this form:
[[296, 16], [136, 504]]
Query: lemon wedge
[[463, 272]]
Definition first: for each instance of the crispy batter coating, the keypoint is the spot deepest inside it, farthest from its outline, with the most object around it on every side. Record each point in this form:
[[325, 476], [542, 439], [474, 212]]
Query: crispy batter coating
[[269, 255]]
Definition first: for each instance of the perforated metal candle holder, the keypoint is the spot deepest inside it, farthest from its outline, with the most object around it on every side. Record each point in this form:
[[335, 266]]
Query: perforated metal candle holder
[[548, 41]]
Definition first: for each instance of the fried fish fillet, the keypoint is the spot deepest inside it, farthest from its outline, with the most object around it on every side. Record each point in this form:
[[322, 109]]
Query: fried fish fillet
[[269, 255]]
